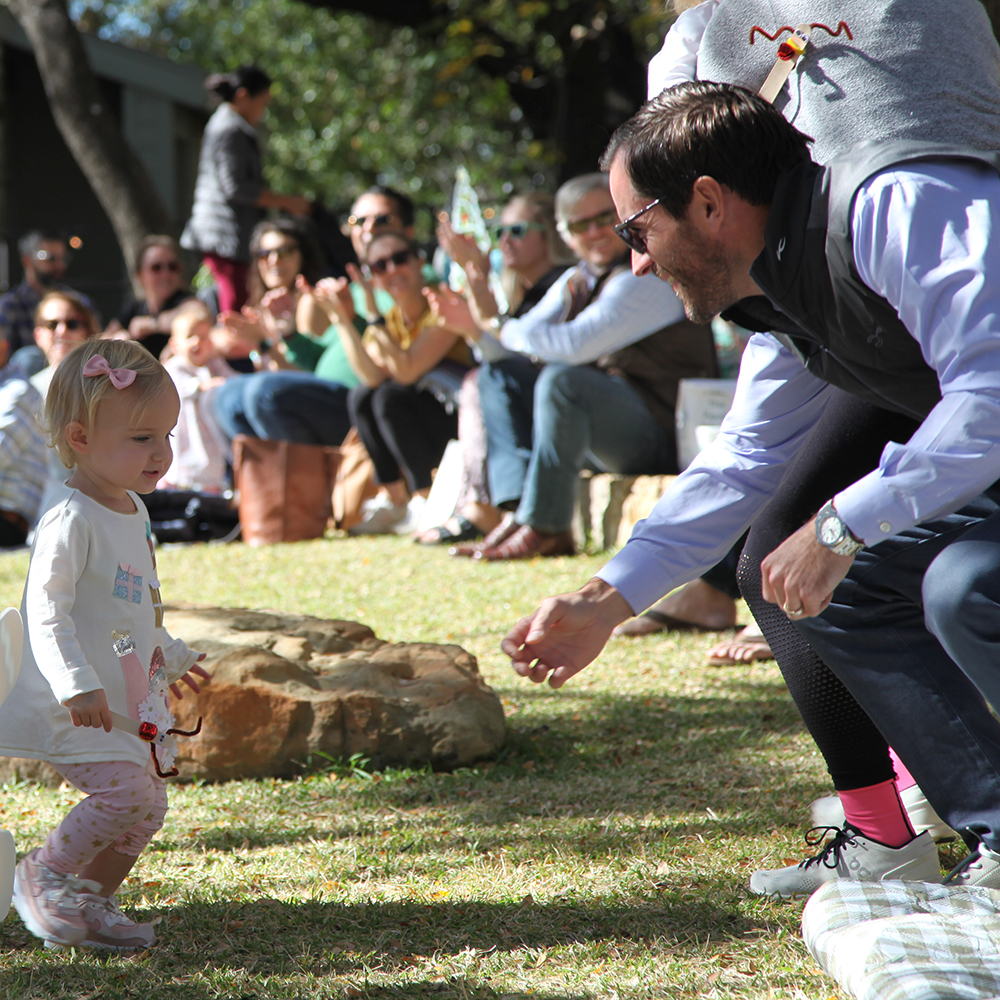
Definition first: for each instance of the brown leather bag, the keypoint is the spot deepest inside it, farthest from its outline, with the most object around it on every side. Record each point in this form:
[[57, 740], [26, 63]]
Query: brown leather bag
[[355, 482], [284, 488]]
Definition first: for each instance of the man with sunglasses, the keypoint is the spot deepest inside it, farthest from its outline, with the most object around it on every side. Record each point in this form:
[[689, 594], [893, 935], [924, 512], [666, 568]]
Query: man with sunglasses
[[879, 274], [44, 258], [593, 382], [380, 209]]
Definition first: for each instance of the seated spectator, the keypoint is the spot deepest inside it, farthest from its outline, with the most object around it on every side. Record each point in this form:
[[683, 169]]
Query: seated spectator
[[614, 348], [22, 453], [159, 272], [197, 369], [44, 258], [411, 370], [62, 323], [301, 393], [380, 209], [534, 256]]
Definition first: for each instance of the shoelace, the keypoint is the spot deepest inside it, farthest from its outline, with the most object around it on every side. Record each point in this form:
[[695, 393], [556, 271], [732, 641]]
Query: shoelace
[[830, 855], [961, 869], [63, 887]]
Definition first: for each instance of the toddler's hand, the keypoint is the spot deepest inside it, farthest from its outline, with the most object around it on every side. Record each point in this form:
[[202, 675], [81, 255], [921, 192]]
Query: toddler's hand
[[90, 709], [189, 680]]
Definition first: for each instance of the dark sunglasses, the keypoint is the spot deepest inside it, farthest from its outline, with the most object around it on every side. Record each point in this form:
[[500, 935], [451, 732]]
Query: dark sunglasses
[[377, 220], [630, 237], [516, 230], [280, 252], [172, 266], [398, 259], [578, 226], [54, 324]]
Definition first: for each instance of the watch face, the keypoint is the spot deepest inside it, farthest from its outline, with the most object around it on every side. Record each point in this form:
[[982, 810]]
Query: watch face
[[830, 530]]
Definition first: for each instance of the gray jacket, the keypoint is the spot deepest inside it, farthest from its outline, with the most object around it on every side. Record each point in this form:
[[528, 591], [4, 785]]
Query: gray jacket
[[229, 183]]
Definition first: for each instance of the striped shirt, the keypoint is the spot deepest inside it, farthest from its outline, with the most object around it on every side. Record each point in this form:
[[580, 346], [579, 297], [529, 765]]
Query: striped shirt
[[23, 451]]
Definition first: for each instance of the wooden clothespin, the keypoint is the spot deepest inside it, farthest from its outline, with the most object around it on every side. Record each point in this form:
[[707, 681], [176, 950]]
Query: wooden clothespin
[[789, 53]]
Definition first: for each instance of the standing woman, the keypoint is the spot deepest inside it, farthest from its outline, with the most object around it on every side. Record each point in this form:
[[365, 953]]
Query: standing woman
[[230, 197]]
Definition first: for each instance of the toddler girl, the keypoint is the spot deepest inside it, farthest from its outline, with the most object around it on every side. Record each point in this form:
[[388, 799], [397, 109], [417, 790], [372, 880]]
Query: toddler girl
[[197, 369], [95, 644]]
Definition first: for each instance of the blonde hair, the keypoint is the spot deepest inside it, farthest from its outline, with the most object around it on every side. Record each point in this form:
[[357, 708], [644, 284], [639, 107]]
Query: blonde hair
[[190, 314], [73, 396], [682, 5]]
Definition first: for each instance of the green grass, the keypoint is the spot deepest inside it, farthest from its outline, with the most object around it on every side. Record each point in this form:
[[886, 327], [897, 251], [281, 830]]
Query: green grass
[[604, 854]]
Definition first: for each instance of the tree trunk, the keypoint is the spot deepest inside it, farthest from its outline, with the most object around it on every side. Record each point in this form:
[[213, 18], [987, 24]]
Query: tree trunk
[[117, 175]]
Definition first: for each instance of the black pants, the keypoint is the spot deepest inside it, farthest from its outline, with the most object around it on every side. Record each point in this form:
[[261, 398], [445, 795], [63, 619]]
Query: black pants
[[844, 446], [405, 430]]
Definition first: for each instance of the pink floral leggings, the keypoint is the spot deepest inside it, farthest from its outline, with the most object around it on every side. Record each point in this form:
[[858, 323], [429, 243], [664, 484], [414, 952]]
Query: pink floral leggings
[[124, 808]]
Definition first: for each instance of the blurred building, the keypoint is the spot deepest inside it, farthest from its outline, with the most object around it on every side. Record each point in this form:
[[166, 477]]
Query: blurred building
[[161, 108]]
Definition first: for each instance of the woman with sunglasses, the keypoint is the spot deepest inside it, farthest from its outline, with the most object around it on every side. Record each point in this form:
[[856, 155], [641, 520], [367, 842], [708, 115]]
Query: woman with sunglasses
[[230, 197], [411, 370], [300, 393], [62, 323], [534, 256], [158, 272]]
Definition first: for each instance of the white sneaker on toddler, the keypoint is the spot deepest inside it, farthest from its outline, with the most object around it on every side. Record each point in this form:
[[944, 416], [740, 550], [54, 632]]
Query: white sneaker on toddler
[[48, 902], [109, 928]]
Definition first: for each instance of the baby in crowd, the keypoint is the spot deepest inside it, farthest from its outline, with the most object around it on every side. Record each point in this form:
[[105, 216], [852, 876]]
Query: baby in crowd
[[96, 647], [197, 369]]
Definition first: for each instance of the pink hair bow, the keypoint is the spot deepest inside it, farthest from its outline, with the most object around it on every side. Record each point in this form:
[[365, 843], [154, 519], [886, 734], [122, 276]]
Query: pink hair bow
[[121, 378]]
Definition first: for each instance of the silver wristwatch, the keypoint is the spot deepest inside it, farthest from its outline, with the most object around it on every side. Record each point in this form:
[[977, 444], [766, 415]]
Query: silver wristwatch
[[832, 533]]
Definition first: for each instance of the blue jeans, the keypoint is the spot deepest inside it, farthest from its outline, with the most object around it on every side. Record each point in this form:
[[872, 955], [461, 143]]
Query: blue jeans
[[545, 426], [905, 605], [283, 406]]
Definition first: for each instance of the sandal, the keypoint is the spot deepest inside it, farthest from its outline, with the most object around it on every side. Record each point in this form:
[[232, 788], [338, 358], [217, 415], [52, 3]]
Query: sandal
[[443, 535]]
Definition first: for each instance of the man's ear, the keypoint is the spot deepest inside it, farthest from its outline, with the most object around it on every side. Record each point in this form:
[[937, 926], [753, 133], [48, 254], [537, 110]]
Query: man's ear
[[77, 437], [708, 204]]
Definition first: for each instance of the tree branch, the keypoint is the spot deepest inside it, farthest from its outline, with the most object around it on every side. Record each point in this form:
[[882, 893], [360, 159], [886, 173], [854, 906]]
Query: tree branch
[[117, 175]]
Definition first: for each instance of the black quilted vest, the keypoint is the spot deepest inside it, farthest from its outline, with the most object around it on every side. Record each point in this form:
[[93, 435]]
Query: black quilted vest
[[814, 300]]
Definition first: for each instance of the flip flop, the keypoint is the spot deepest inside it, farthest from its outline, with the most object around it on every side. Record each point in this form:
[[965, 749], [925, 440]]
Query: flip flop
[[443, 535], [668, 623]]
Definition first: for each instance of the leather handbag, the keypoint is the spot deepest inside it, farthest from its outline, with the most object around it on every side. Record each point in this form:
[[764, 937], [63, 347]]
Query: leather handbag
[[354, 483], [284, 488]]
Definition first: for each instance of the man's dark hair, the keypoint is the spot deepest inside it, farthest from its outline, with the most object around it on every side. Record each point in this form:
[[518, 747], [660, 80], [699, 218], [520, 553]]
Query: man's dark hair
[[706, 130], [404, 205]]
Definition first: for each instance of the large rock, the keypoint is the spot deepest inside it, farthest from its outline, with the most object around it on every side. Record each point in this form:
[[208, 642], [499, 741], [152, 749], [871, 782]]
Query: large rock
[[285, 690]]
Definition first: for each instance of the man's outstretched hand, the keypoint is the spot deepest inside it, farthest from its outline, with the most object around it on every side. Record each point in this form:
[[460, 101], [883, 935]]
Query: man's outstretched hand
[[566, 633]]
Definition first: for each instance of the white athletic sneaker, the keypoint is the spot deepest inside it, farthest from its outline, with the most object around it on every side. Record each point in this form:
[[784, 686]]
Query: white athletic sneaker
[[829, 811], [981, 868], [380, 517], [48, 902], [410, 522], [850, 855], [109, 928]]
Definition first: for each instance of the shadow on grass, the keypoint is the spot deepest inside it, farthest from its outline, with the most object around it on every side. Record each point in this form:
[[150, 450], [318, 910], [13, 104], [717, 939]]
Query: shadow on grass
[[323, 939]]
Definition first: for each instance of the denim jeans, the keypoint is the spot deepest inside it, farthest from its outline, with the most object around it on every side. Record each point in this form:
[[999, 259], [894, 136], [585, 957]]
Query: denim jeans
[[544, 427], [881, 635], [283, 406]]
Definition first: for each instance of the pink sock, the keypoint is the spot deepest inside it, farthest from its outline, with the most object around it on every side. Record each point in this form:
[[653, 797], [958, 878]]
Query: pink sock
[[878, 813], [904, 779]]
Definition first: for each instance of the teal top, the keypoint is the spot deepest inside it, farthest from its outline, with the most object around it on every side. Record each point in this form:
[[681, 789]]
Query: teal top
[[323, 355]]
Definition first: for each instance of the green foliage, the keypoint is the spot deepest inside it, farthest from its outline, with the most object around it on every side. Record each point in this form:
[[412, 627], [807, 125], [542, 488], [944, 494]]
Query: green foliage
[[357, 101]]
